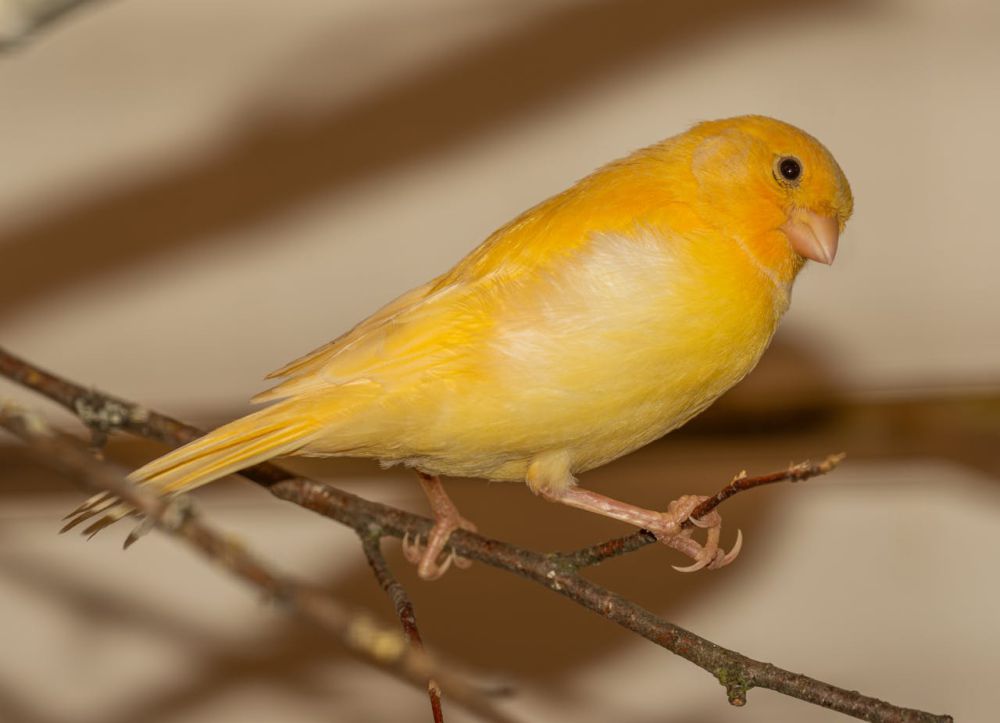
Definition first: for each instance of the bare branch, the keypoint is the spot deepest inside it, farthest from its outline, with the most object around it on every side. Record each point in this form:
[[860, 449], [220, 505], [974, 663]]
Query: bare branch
[[372, 545], [557, 572], [362, 636]]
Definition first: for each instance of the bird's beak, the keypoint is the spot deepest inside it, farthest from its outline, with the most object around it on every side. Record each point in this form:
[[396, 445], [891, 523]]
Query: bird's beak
[[813, 236]]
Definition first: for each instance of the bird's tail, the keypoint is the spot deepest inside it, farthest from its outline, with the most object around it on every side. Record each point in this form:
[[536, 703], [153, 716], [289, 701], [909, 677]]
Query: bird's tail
[[276, 430]]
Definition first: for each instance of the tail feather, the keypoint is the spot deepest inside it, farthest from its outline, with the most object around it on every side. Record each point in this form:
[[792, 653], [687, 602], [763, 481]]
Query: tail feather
[[268, 433], [277, 430], [212, 464]]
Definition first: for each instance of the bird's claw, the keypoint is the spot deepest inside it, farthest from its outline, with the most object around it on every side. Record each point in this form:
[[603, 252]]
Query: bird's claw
[[706, 556], [430, 558], [429, 568], [412, 549]]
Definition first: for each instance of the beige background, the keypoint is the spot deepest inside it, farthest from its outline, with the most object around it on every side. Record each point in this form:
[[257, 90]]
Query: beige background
[[193, 193]]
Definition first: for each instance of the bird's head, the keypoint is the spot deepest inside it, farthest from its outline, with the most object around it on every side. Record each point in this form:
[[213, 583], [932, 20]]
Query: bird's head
[[772, 187]]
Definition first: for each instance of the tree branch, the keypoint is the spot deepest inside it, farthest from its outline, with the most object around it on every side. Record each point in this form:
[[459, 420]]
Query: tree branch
[[372, 545], [557, 572], [356, 631]]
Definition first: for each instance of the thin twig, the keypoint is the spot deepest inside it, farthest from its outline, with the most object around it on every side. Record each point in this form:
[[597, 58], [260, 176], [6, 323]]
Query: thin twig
[[372, 545], [743, 482], [736, 672], [365, 638]]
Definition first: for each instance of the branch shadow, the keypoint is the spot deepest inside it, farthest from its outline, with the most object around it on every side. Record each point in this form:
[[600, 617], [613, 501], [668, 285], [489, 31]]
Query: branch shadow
[[282, 654], [275, 161]]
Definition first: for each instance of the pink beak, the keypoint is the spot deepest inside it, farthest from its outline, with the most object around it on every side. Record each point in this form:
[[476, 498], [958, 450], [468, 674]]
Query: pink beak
[[812, 236]]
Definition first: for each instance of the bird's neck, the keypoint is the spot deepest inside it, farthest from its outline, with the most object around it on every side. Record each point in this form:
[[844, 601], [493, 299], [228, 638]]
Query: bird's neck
[[770, 254]]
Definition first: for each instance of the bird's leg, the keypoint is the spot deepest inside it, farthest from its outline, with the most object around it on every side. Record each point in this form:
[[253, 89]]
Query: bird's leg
[[667, 526], [446, 520]]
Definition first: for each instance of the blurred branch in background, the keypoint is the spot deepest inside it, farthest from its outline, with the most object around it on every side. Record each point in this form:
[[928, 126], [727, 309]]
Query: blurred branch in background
[[20, 19], [794, 396], [356, 631], [274, 160], [557, 572]]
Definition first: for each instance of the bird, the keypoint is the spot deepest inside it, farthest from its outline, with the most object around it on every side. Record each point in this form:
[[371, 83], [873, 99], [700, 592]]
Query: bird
[[592, 324]]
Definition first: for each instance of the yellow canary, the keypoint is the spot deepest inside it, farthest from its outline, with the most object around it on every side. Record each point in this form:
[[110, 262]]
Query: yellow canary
[[590, 325]]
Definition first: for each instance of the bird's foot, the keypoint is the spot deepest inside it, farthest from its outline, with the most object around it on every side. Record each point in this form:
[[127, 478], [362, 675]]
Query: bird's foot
[[432, 560], [427, 558], [669, 527], [671, 532]]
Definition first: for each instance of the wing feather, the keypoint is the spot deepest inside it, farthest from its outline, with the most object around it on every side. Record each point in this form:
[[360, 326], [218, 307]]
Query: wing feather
[[427, 326]]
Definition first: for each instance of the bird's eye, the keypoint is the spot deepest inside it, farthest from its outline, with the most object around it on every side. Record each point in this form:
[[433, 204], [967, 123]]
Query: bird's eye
[[788, 168]]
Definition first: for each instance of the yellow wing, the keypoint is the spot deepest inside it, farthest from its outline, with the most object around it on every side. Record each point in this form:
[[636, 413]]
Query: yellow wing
[[423, 328], [320, 357], [430, 323]]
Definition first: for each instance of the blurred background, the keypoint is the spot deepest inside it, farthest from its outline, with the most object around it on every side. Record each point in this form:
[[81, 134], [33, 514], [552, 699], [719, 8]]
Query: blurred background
[[193, 193]]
